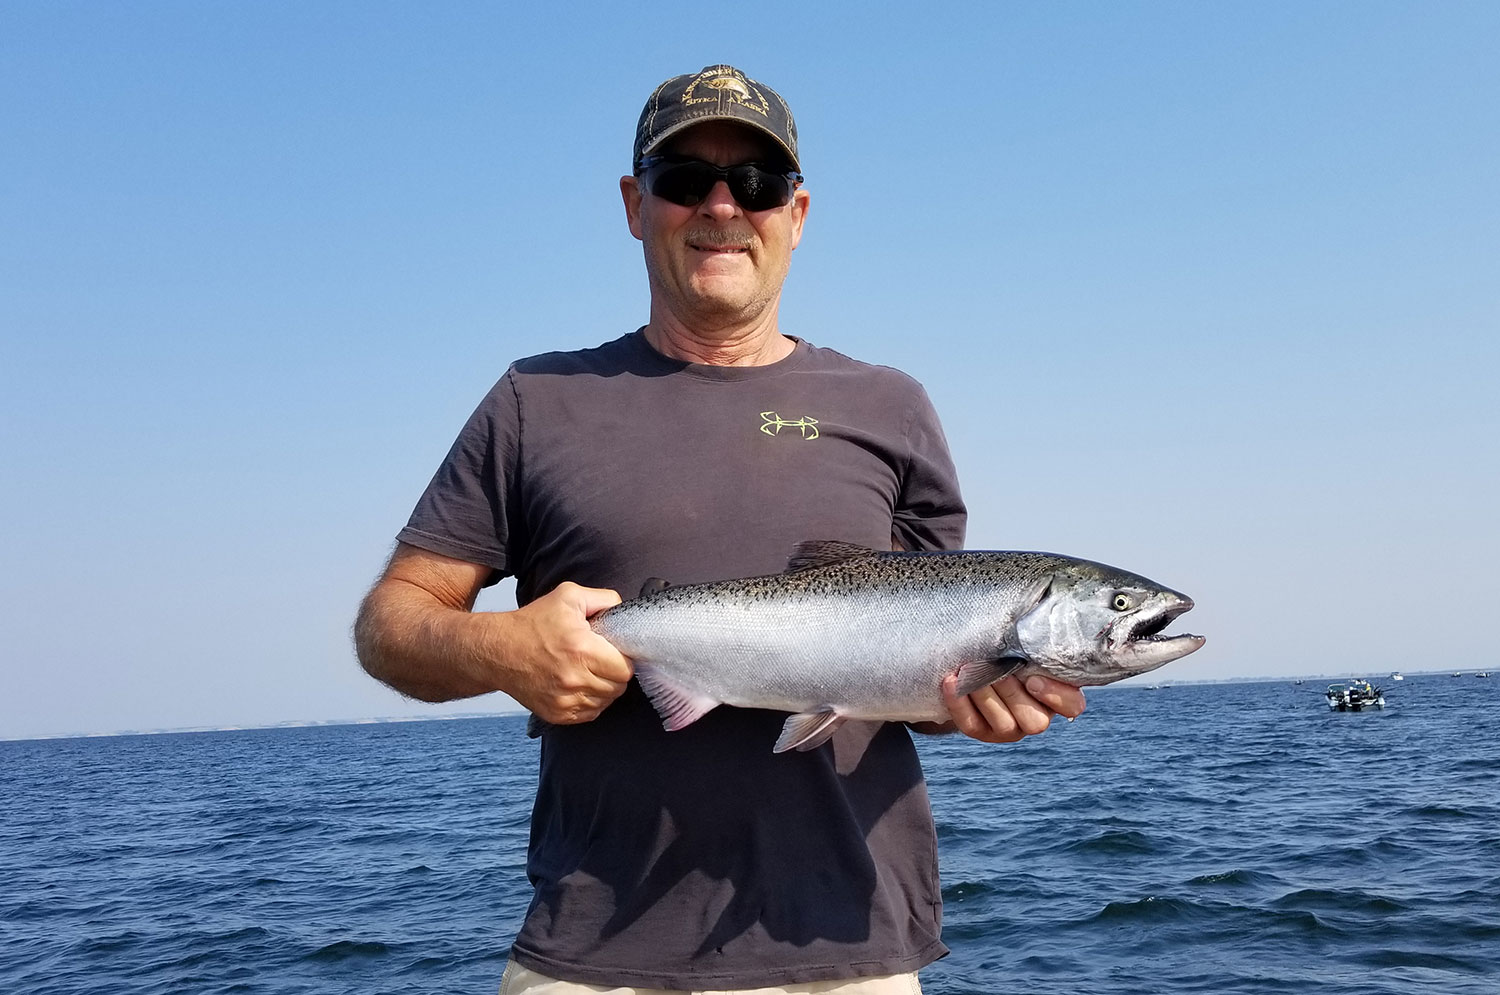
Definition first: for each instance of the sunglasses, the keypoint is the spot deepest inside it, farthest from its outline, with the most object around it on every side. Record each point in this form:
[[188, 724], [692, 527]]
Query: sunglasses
[[687, 182]]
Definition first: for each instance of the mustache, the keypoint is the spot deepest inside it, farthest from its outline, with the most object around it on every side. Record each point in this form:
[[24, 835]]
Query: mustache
[[720, 238]]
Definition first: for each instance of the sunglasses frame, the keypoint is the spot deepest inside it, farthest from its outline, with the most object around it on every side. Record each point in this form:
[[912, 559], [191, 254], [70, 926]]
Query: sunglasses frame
[[725, 173]]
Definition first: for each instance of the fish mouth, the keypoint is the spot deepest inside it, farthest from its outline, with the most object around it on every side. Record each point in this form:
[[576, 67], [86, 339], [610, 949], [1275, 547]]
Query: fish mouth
[[1149, 646]]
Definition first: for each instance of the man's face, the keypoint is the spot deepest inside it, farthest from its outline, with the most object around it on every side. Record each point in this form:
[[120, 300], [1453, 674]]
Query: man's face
[[715, 264]]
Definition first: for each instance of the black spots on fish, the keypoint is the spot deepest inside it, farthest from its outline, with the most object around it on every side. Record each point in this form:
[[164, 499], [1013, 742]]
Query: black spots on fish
[[896, 572], [852, 571]]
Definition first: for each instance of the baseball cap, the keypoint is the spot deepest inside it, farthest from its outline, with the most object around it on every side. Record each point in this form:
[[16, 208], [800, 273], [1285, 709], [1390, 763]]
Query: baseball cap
[[717, 93]]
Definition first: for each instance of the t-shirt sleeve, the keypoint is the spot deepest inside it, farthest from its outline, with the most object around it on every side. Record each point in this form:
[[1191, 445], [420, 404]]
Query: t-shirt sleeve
[[470, 509], [930, 512]]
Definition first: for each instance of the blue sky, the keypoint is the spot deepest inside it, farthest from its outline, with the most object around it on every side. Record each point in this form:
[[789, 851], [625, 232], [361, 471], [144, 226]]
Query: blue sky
[[1209, 291]]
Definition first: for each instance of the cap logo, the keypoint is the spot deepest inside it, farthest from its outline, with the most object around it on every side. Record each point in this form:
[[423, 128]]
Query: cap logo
[[720, 84]]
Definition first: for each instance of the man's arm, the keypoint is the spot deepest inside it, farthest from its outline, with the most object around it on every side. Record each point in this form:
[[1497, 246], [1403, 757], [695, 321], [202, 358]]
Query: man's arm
[[417, 632]]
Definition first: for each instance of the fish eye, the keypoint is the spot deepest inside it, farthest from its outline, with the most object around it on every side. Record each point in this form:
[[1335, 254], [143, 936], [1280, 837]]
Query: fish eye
[[1123, 602]]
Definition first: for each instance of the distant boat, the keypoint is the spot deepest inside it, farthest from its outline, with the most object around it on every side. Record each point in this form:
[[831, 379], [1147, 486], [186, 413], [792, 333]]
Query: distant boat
[[1356, 696], [1397, 676], [1483, 673], [1297, 682]]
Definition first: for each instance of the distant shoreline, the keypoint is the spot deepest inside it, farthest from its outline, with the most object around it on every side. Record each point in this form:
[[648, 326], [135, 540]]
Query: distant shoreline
[[1142, 682], [290, 724]]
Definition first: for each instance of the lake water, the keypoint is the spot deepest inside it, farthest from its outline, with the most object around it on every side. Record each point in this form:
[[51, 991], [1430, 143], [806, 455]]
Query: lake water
[[1203, 838]]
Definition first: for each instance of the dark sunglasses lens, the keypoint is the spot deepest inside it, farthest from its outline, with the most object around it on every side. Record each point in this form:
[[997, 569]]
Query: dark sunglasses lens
[[758, 190], [687, 183], [684, 183]]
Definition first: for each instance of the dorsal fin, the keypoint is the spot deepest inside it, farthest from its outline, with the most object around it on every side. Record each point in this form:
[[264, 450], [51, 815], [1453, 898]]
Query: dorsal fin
[[653, 585], [822, 552]]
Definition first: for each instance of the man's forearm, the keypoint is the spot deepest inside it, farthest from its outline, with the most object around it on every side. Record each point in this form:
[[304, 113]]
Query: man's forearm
[[407, 639]]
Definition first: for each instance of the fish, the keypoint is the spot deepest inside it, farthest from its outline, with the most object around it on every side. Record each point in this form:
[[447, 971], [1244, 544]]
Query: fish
[[852, 633]]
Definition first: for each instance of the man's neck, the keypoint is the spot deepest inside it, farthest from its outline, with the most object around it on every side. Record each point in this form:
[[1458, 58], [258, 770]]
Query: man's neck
[[757, 344]]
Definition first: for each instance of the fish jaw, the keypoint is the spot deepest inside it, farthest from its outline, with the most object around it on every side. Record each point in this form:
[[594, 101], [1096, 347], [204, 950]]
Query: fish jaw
[[1143, 647]]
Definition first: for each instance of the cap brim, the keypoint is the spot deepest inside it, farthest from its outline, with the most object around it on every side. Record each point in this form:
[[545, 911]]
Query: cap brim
[[759, 129]]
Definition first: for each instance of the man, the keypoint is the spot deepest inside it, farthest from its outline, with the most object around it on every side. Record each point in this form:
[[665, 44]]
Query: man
[[701, 447]]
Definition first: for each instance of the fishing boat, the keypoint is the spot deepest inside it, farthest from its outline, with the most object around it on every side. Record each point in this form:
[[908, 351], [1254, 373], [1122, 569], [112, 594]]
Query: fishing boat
[[1397, 676], [1355, 696]]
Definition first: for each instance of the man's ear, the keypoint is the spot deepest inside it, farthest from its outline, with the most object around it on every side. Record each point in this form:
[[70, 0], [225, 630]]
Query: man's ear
[[630, 191], [801, 202]]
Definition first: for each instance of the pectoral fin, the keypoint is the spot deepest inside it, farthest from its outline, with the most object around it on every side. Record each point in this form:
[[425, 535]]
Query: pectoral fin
[[983, 673], [1010, 655], [678, 705], [808, 730]]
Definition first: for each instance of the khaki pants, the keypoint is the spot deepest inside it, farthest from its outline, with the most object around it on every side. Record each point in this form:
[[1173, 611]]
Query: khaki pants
[[520, 981]]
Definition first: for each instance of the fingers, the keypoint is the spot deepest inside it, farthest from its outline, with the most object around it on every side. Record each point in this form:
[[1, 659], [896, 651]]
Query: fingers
[[575, 604], [573, 708], [590, 600], [591, 675], [604, 660], [1006, 711], [574, 695], [1064, 699], [1000, 713], [966, 715]]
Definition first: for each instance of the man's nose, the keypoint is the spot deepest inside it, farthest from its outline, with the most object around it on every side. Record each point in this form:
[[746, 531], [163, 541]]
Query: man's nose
[[720, 203]]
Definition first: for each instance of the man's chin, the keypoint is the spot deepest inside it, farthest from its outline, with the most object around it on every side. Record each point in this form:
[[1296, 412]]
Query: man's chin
[[722, 298]]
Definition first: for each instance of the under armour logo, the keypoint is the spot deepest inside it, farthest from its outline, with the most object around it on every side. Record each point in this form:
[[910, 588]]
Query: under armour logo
[[774, 423]]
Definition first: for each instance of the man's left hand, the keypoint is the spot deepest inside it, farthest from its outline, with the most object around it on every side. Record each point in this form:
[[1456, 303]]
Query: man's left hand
[[1008, 711]]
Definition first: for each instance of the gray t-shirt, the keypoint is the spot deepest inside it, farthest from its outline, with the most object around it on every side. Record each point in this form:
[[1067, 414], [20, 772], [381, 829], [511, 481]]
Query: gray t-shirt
[[699, 859]]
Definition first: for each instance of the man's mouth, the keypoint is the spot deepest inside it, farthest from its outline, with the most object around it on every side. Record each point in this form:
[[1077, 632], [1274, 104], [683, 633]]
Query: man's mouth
[[718, 241]]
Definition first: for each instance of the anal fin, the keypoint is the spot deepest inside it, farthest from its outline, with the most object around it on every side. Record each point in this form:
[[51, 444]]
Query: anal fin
[[678, 705], [983, 673], [808, 730]]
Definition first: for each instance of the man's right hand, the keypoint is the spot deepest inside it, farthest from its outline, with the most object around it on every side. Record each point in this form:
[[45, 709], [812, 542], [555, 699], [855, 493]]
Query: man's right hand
[[418, 633], [571, 673]]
